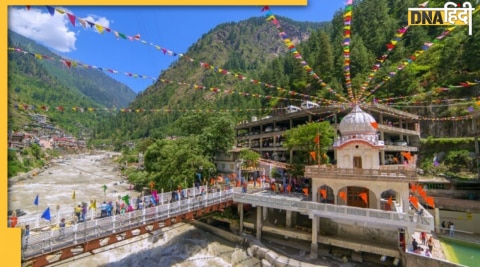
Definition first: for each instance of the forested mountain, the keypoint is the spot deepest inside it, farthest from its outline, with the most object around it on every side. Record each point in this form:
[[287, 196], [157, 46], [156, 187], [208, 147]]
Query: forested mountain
[[50, 83], [421, 63], [245, 47]]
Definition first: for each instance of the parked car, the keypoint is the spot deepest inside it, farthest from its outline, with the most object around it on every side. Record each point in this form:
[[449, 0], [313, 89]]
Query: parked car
[[400, 143], [291, 109], [309, 104], [268, 129]]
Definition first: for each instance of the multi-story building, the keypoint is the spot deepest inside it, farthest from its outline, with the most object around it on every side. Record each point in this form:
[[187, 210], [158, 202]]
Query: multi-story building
[[399, 131]]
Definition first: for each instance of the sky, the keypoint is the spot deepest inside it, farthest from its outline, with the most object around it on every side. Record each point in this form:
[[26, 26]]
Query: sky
[[174, 28]]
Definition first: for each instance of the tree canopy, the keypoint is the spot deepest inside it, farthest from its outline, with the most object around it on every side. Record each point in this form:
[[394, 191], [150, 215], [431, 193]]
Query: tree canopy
[[304, 138]]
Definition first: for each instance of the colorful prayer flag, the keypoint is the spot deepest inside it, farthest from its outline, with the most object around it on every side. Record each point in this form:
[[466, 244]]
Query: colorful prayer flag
[[46, 214], [36, 201], [73, 195]]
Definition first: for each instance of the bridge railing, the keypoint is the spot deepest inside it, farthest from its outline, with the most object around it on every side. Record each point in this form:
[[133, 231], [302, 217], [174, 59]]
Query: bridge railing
[[36, 221], [40, 242], [426, 221]]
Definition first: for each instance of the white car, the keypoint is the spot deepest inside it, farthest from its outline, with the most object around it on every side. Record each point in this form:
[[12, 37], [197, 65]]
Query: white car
[[309, 104], [400, 143], [291, 109]]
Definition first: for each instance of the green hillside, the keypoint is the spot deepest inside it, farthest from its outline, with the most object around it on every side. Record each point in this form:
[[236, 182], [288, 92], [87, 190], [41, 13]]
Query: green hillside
[[254, 49], [47, 83]]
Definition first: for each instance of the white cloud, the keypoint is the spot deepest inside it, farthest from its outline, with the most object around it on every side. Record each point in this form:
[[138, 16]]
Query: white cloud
[[55, 31]]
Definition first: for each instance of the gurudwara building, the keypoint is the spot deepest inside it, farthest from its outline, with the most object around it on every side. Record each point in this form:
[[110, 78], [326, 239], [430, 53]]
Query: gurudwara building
[[359, 203]]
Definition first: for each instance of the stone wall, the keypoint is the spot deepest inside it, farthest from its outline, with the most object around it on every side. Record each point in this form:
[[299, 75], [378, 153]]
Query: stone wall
[[414, 260]]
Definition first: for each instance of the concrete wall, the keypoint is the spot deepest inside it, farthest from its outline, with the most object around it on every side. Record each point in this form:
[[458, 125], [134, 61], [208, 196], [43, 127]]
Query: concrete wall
[[463, 221], [414, 260], [359, 231]]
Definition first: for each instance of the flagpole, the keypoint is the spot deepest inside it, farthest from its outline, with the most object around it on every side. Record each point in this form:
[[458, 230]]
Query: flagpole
[[318, 148]]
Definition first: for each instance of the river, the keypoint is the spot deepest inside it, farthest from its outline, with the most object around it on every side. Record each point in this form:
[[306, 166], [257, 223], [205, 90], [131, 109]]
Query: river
[[178, 245]]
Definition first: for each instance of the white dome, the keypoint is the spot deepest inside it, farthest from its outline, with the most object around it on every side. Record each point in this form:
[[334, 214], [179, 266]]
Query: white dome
[[357, 122]]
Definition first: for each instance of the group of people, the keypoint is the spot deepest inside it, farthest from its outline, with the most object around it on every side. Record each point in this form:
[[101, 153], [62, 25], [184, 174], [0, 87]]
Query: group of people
[[450, 227], [426, 241]]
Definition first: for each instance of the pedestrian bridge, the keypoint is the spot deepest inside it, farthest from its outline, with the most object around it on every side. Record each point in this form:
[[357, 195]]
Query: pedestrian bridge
[[47, 243]]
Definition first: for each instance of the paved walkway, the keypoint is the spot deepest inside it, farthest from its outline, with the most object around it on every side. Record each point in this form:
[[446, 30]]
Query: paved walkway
[[437, 251]]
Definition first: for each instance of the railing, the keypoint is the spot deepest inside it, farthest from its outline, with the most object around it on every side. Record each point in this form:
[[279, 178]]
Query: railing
[[44, 241], [400, 172], [68, 213], [372, 139], [425, 221]]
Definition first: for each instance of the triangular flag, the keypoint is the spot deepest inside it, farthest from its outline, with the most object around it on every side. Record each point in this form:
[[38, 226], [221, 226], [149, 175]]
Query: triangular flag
[[343, 195], [364, 197], [93, 204], [430, 201], [36, 200], [305, 191], [73, 195], [71, 18], [152, 184], [51, 10], [414, 201], [126, 199], [323, 192], [317, 139], [104, 188], [313, 155], [46, 214], [390, 201]]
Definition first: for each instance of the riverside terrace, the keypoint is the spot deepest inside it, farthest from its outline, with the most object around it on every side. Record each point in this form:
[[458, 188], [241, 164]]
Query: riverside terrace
[[46, 241]]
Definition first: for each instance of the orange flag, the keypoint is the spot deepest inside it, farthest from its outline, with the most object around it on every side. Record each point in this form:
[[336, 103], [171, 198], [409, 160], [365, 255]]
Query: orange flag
[[323, 192], [413, 187], [152, 184], [313, 154], [414, 201], [430, 201], [343, 195], [364, 197], [374, 125], [317, 139], [390, 201], [305, 191]]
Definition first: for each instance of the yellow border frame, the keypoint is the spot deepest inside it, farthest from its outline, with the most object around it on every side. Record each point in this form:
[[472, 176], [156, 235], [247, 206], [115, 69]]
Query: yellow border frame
[[10, 245]]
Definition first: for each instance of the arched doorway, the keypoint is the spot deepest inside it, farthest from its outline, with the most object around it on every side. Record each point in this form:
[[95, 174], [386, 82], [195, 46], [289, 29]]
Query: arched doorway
[[358, 197], [388, 198], [325, 195]]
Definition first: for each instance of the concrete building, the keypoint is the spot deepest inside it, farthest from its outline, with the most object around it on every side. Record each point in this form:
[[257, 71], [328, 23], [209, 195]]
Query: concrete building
[[360, 203], [399, 131]]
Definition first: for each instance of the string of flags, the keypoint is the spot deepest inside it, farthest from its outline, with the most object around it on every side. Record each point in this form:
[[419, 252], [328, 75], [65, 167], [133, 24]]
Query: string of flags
[[76, 64], [270, 17], [242, 77], [291, 47], [389, 100], [379, 61], [73, 64], [102, 29], [413, 57], [347, 21], [471, 109]]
